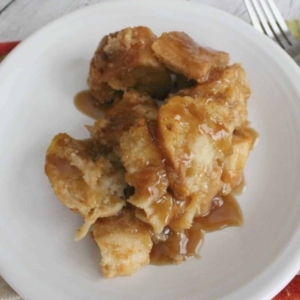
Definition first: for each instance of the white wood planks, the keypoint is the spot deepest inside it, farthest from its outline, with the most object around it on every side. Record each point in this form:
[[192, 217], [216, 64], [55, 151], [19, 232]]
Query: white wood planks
[[23, 17], [4, 4]]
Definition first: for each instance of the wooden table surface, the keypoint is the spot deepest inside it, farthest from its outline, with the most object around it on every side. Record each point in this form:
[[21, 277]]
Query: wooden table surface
[[20, 18]]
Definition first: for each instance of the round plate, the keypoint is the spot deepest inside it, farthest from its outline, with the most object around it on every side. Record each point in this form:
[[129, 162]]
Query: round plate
[[38, 255]]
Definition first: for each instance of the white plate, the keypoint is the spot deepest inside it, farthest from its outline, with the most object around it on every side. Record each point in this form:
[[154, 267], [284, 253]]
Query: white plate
[[38, 256]]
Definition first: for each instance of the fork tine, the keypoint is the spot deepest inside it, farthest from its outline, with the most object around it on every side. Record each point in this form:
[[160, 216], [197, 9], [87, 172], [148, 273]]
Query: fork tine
[[282, 39], [281, 22], [254, 19], [263, 20], [278, 16]]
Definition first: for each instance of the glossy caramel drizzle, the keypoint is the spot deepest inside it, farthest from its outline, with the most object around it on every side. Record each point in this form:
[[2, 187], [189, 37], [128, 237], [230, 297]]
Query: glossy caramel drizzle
[[88, 105], [175, 247]]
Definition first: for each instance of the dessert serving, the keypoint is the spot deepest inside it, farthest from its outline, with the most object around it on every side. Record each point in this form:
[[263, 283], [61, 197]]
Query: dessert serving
[[165, 154]]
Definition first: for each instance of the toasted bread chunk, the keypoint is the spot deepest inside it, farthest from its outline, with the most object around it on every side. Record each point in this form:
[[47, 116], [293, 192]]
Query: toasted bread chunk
[[199, 203], [193, 134], [83, 180], [135, 104], [182, 54], [124, 242], [229, 83], [125, 60], [121, 116], [99, 89], [242, 142], [169, 145], [145, 171]]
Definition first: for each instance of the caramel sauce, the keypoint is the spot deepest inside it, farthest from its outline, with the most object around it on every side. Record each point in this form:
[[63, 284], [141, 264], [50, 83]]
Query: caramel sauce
[[171, 247], [225, 211], [255, 136], [88, 105], [175, 247], [163, 209], [250, 132], [240, 188], [178, 246]]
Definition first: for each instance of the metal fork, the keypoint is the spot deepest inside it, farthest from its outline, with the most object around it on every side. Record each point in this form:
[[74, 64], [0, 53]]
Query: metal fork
[[267, 19]]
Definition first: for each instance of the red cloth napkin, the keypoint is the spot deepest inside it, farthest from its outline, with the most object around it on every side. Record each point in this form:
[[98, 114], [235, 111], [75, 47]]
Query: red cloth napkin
[[290, 292], [5, 48]]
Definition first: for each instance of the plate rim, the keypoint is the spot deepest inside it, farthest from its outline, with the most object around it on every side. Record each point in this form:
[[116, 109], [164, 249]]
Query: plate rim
[[291, 269]]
